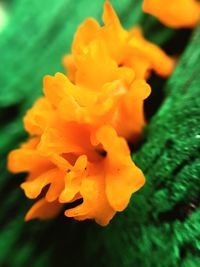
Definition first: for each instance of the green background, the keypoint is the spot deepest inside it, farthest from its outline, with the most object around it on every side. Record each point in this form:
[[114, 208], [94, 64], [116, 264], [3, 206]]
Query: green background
[[161, 226]]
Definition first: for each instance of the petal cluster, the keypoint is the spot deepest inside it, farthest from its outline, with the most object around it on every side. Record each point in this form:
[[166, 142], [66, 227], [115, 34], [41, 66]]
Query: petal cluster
[[125, 48], [77, 148], [108, 54], [176, 13]]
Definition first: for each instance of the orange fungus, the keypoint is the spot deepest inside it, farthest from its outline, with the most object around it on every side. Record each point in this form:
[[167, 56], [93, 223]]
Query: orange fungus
[[77, 148]]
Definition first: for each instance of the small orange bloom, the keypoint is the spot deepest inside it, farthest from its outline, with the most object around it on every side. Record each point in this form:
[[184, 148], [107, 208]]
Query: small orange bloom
[[176, 13], [125, 48], [43, 210]]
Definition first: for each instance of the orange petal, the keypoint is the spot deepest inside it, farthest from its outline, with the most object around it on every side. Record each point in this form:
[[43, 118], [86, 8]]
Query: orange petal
[[121, 182], [86, 32], [53, 177], [95, 204], [121, 175], [73, 180], [176, 13], [39, 117], [107, 136], [139, 90], [43, 210], [57, 87], [132, 109], [69, 64], [110, 17], [159, 60], [26, 160]]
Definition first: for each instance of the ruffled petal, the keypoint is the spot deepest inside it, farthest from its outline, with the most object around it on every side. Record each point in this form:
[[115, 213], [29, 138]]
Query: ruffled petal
[[159, 61], [27, 158], [122, 176], [43, 210], [176, 13], [54, 178], [73, 180], [39, 117], [95, 204]]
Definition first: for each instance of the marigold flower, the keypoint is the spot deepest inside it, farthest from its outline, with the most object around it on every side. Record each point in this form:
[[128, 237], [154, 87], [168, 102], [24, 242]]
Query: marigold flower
[[176, 13], [128, 49]]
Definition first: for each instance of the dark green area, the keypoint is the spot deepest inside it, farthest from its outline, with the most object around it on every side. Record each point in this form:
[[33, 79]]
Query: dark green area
[[161, 226]]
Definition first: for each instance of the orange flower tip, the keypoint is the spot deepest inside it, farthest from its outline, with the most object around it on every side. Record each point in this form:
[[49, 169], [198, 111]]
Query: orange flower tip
[[43, 210], [66, 59], [12, 163], [63, 199], [147, 90], [81, 162], [67, 196], [47, 78], [140, 89], [170, 64], [140, 182], [60, 75], [102, 220], [29, 190], [50, 197], [102, 223], [109, 14], [108, 8], [120, 204], [176, 13], [74, 212]]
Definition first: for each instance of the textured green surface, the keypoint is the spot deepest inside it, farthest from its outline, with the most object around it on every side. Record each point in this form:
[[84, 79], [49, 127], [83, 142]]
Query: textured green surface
[[161, 226]]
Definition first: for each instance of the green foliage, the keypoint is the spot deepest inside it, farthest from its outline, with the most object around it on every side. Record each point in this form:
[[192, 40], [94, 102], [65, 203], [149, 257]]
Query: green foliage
[[161, 225]]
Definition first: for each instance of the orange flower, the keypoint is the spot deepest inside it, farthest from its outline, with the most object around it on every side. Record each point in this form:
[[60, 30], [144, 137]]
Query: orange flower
[[176, 13], [125, 48]]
